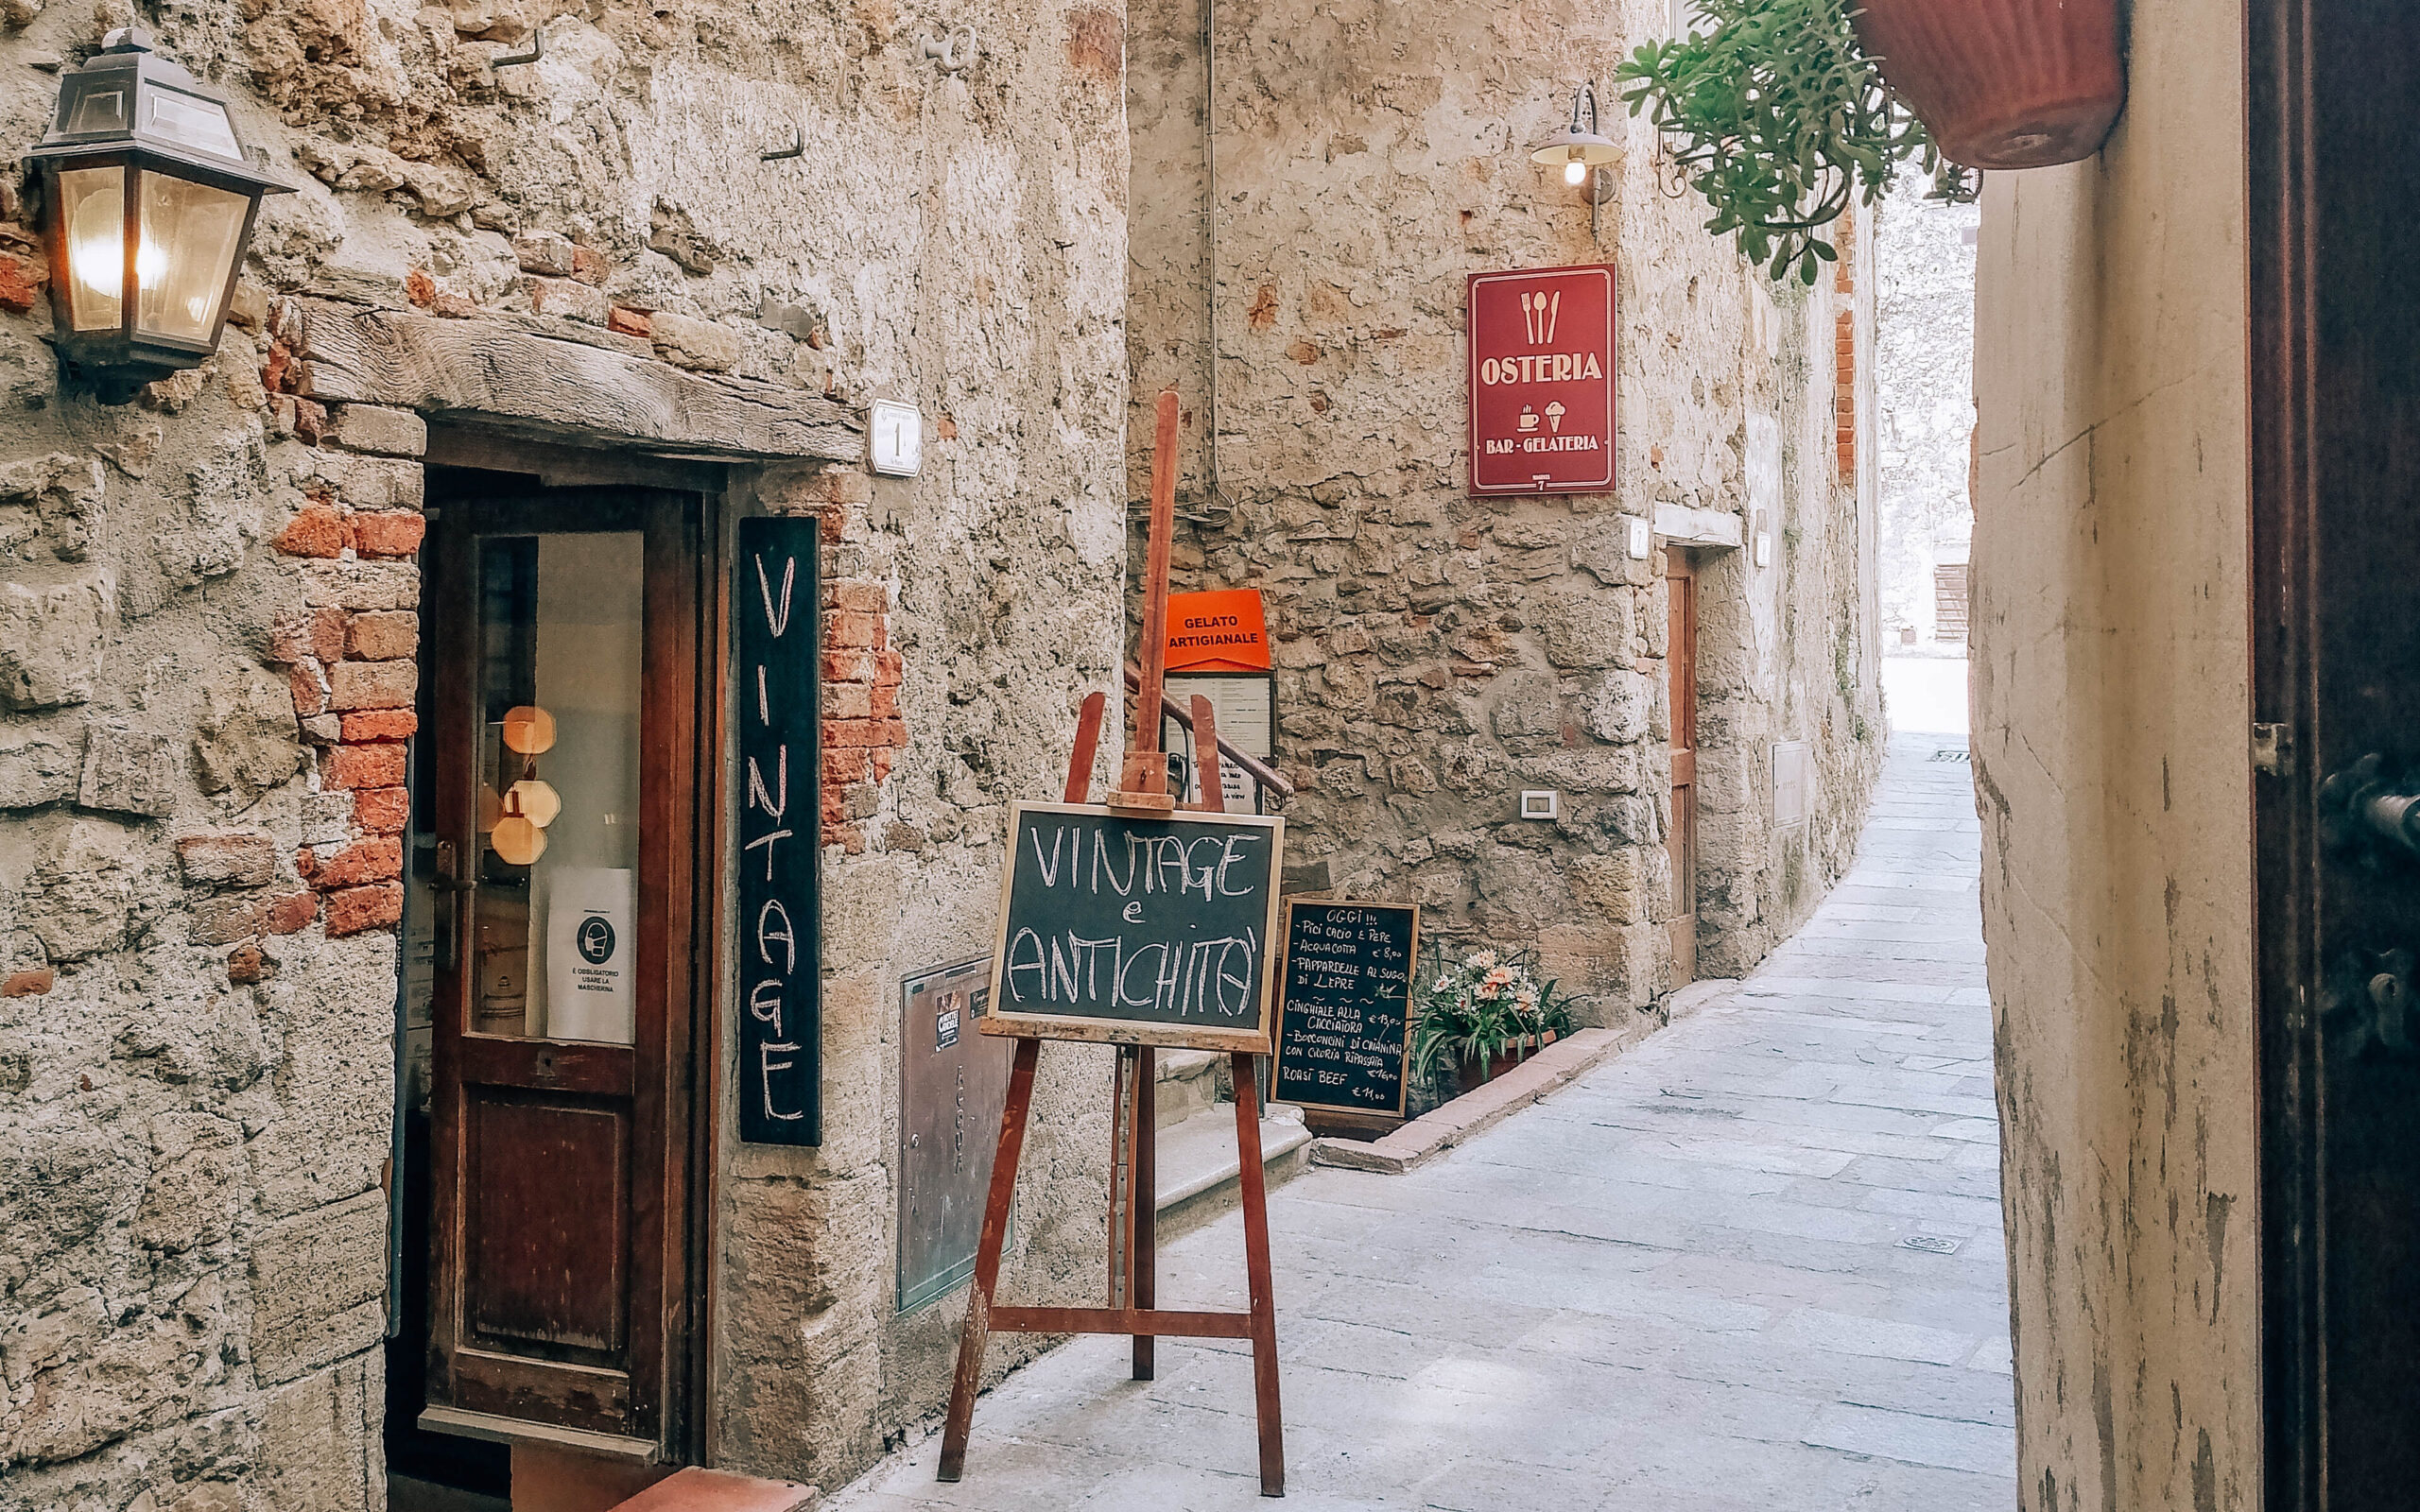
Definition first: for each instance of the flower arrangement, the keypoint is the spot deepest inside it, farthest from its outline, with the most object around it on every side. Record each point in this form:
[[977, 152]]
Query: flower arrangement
[[1484, 1010]]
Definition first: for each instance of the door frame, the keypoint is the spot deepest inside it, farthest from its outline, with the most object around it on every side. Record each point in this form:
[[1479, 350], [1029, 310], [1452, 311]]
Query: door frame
[[678, 1220], [1681, 657], [2329, 177]]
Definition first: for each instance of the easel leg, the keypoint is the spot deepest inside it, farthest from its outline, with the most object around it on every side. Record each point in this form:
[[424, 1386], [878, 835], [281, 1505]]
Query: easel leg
[[1143, 1198], [1264, 1301], [970, 1338]]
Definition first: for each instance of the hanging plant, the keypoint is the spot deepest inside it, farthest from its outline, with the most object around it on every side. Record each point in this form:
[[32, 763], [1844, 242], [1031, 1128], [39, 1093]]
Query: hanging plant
[[1776, 113]]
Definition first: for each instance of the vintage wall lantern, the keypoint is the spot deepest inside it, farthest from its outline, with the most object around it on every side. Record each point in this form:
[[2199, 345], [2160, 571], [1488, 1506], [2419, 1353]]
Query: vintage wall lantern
[[148, 203], [1579, 149]]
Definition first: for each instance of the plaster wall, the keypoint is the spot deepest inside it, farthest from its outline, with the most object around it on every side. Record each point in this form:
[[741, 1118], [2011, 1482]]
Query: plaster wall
[[1437, 654], [213, 647], [2110, 690]]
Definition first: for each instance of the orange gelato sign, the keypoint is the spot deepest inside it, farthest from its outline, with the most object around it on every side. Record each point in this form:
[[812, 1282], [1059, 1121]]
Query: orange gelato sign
[[1220, 631]]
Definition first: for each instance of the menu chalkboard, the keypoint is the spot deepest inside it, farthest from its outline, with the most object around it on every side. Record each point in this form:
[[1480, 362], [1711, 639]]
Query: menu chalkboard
[[1344, 1005], [1136, 931], [779, 820]]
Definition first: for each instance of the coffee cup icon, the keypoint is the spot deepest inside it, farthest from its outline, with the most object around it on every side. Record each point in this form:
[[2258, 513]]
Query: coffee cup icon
[[1528, 420]]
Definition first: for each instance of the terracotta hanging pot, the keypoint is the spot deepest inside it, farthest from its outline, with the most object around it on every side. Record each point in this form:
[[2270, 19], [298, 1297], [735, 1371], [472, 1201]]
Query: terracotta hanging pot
[[2002, 83]]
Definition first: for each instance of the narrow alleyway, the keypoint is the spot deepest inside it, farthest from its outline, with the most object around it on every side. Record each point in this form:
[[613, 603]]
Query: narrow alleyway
[[1756, 1263]]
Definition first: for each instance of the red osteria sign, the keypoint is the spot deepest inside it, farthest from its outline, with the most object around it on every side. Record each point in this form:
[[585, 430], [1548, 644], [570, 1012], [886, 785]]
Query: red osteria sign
[[1542, 381]]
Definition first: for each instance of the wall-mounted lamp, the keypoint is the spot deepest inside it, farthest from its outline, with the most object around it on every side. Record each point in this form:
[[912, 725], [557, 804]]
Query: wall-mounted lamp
[[1579, 149], [148, 202]]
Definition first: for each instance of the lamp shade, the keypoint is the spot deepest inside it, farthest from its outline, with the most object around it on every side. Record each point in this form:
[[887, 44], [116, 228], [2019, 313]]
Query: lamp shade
[[1570, 145], [148, 206]]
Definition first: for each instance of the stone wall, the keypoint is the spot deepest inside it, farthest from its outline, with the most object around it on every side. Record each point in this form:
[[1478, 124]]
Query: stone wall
[[2110, 683], [209, 654], [1925, 374], [1438, 653]]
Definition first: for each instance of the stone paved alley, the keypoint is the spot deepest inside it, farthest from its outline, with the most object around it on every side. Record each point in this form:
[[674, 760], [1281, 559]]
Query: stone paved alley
[[1755, 1264]]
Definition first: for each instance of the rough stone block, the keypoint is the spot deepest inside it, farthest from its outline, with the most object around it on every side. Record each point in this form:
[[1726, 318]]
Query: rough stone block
[[382, 635], [51, 640], [700, 344], [544, 253], [79, 899], [356, 909], [126, 771], [372, 685], [361, 585], [377, 429], [360, 481], [570, 299], [318, 1282], [245, 738], [328, 817], [36, 769], [1586, 629], [227, 858]]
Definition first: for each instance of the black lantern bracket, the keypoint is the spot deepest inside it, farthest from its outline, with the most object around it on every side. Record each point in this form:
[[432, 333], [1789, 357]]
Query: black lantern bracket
[[148, 198]]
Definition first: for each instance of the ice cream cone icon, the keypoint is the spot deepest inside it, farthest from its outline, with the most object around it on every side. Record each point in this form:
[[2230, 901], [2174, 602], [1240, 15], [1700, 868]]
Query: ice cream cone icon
[[1554, 417]]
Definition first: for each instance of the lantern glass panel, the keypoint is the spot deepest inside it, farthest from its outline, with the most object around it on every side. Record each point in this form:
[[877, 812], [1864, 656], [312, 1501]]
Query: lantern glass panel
[[92, 213], [98, 108], [190, 231]]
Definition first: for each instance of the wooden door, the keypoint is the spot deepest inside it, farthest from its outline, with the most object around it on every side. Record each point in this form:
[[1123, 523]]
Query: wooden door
[[2335, 436], [565, 751], [1681, 840]]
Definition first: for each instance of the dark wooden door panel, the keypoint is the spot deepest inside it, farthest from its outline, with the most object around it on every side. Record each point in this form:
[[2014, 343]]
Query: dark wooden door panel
[[1681, 841], [545, 1231], [560, 1144]]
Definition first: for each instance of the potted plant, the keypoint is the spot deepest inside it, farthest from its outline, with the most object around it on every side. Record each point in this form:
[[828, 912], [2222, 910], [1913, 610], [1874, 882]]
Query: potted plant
[[1482, 1018], [1782, 113]]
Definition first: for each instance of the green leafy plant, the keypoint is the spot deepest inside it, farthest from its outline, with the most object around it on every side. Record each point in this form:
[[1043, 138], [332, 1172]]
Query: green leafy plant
[[1483, 1009], [1776, 114]]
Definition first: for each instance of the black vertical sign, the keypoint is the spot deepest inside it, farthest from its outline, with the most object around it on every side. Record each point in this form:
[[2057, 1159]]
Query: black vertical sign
[[775, 708]]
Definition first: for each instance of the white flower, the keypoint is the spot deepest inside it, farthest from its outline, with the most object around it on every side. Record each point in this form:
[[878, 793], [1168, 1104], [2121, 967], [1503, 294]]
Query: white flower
[[1480, 960], [1444, 984]]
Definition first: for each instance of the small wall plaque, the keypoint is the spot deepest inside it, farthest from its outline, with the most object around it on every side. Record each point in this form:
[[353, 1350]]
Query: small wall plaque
[[896, 437]]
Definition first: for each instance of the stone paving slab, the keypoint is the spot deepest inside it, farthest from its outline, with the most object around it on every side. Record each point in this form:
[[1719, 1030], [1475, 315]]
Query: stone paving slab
[[1678, 1282]]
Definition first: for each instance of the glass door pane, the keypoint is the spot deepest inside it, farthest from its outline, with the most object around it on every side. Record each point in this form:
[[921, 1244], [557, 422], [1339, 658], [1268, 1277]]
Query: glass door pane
[[555, 926]]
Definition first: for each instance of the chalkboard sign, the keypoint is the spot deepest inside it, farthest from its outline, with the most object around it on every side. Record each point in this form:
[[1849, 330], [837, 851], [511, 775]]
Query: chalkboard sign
[[1344, 1005], [1136, 931], [779, 831]]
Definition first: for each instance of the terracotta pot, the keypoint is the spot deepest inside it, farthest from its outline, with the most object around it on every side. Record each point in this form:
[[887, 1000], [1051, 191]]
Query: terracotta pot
[[2002, 83], [1472, 1072]]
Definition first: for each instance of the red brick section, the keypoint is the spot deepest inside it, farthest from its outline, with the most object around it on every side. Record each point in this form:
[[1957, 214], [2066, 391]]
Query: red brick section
[[1844, 350], [355, 676], [863, 733]]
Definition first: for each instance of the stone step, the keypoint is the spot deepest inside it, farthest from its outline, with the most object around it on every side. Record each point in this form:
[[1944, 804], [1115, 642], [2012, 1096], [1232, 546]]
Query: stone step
[[1186, 1083], [1201, 1177]]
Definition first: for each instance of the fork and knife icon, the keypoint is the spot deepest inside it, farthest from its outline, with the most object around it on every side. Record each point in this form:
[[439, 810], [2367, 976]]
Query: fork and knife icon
[[1538, 312]]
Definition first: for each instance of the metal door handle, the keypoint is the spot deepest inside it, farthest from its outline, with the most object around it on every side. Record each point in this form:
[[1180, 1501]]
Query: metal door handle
[[2361, 806]]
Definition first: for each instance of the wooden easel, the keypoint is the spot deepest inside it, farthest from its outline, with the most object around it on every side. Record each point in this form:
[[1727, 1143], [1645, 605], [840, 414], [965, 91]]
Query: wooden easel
[[1142, 791]]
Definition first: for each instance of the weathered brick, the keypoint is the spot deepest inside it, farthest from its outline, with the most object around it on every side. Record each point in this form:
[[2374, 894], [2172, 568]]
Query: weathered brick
[[864, 598], [246, 965], [315, 530], [310, 688], [387, 533], [318, 632], [848, 701], [629, 322], [357, 909], [845, 765], [588, 265], [838, 486], [850, 666], [382, 635], [364, 766], [28, 983], [292, 912], [883, 700], [376, 859], [21, 283], [378, 724], [846, 630], [382, 810], [238, 858], [372, 685]]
